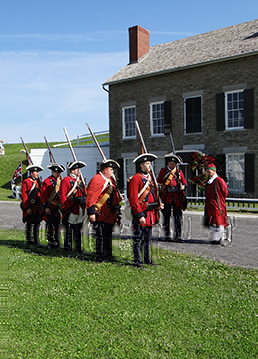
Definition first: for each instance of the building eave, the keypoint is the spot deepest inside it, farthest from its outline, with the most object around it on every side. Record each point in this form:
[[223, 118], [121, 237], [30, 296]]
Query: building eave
[[180, 68]]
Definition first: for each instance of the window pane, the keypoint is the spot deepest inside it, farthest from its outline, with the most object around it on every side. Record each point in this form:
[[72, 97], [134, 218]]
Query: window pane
[[234, 109], [129, 121], [236, 172], [157, 116]]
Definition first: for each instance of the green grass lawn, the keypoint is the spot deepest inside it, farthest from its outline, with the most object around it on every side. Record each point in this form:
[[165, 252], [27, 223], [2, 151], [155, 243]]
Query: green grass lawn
[[60, 306]]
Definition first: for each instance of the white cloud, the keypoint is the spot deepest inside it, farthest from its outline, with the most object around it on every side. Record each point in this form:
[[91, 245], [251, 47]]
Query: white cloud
[[42, 92]]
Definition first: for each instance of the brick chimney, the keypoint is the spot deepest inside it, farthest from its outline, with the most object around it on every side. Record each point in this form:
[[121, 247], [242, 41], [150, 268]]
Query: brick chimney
[[139, 42]]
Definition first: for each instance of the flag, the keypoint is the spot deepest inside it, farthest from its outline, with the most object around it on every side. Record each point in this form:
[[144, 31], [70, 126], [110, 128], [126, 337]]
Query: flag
[[17, 173]]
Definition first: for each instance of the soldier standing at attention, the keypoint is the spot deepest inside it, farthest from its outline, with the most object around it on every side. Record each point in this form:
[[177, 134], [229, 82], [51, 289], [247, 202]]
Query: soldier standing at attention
[[173, 185], [49, 198], [30, 204], [103, 206], [144, 204], [72, 197]]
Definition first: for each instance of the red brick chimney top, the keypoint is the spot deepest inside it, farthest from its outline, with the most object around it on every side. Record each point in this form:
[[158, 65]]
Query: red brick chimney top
[[139, 42]]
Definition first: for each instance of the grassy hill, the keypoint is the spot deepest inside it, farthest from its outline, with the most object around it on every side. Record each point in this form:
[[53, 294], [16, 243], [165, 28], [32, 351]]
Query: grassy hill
[[13, 156], [9, 163]]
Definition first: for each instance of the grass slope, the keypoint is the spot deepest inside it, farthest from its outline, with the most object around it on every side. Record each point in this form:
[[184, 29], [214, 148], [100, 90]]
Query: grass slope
[[12, 157], [73, 307]]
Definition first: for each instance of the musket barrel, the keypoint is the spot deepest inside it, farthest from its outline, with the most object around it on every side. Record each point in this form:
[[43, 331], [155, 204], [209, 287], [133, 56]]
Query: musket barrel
[[96, 142], [145, 150], [52, 160], [70, 145], [27, 153], [73, 154]]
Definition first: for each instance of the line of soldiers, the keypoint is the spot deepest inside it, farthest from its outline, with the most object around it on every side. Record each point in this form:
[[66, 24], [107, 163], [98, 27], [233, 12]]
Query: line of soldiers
[[66, 201]]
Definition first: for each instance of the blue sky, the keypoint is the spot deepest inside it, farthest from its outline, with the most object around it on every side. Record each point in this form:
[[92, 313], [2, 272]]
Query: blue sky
[[55, 55]]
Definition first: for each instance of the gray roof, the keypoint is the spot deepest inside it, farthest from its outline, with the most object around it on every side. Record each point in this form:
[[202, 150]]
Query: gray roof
[[218, 45]]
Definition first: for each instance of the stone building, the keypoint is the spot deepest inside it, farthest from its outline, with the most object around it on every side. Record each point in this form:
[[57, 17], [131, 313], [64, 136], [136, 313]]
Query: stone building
[[202, 89]]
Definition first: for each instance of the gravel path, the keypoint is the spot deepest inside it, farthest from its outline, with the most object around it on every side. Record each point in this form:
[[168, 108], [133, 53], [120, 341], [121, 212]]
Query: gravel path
[[243, 252]]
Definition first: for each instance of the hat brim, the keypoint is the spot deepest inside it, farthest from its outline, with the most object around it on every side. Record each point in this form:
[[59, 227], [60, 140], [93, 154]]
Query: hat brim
[[174, 158], [76, 164], [34, 168], [54, 166], [145, 157], [109, 163]]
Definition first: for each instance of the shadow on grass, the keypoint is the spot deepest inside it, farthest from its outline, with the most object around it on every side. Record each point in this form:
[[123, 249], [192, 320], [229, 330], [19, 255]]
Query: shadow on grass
[[45, 250]]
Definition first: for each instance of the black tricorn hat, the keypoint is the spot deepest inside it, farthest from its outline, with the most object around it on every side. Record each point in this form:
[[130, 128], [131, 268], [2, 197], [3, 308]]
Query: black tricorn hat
[[56, 167], [75, 164], [109, 163], [34, 168], [144, 157], [171, 157]]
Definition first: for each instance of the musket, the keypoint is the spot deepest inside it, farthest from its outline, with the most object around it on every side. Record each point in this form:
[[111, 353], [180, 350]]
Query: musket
[[101, 152], [96, 142], [103, 156], [174, 153], [51, 157], [30, 162], [74, 157], [144, 150]]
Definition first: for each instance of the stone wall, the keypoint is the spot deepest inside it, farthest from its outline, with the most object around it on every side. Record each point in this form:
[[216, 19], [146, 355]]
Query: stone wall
[[209, 79]]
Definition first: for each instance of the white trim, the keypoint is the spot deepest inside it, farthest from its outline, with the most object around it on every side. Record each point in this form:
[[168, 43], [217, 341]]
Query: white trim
[[123, 122], [226, 110], [151, 119]]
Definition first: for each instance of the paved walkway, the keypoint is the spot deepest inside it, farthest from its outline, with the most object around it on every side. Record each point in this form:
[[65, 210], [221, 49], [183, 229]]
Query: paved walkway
[[243, 252]]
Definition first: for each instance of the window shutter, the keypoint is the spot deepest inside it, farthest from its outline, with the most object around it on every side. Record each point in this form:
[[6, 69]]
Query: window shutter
[[249, 108], [120, 174], [167, 117], [249, 172], [220, 111]]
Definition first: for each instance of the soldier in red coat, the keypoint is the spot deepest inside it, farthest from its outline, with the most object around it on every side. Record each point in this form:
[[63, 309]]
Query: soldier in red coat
[[216, 194], [145, 206], [30, 204], [103, 207], [173, 185], [72, 197], [49, 194]]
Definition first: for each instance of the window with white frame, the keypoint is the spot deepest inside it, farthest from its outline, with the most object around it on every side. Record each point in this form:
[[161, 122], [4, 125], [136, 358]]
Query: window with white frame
[[236, 172], [234, 107], [129, 130], [157, 118], [193, 114]]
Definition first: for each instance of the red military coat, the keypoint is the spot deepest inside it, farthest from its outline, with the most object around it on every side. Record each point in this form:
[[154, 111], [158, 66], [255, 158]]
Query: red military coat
[[216, 195], [135, 185], [69, 204], [98, 186], [30, 197], [47, 188], [174, 191]]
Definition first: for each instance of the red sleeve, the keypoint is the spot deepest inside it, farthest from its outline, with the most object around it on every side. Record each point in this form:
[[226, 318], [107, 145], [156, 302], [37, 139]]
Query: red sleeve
[[94, 190], [65, 187], [45, 189], [24, 195], [223, 187], [161, 175], [134, 188]]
